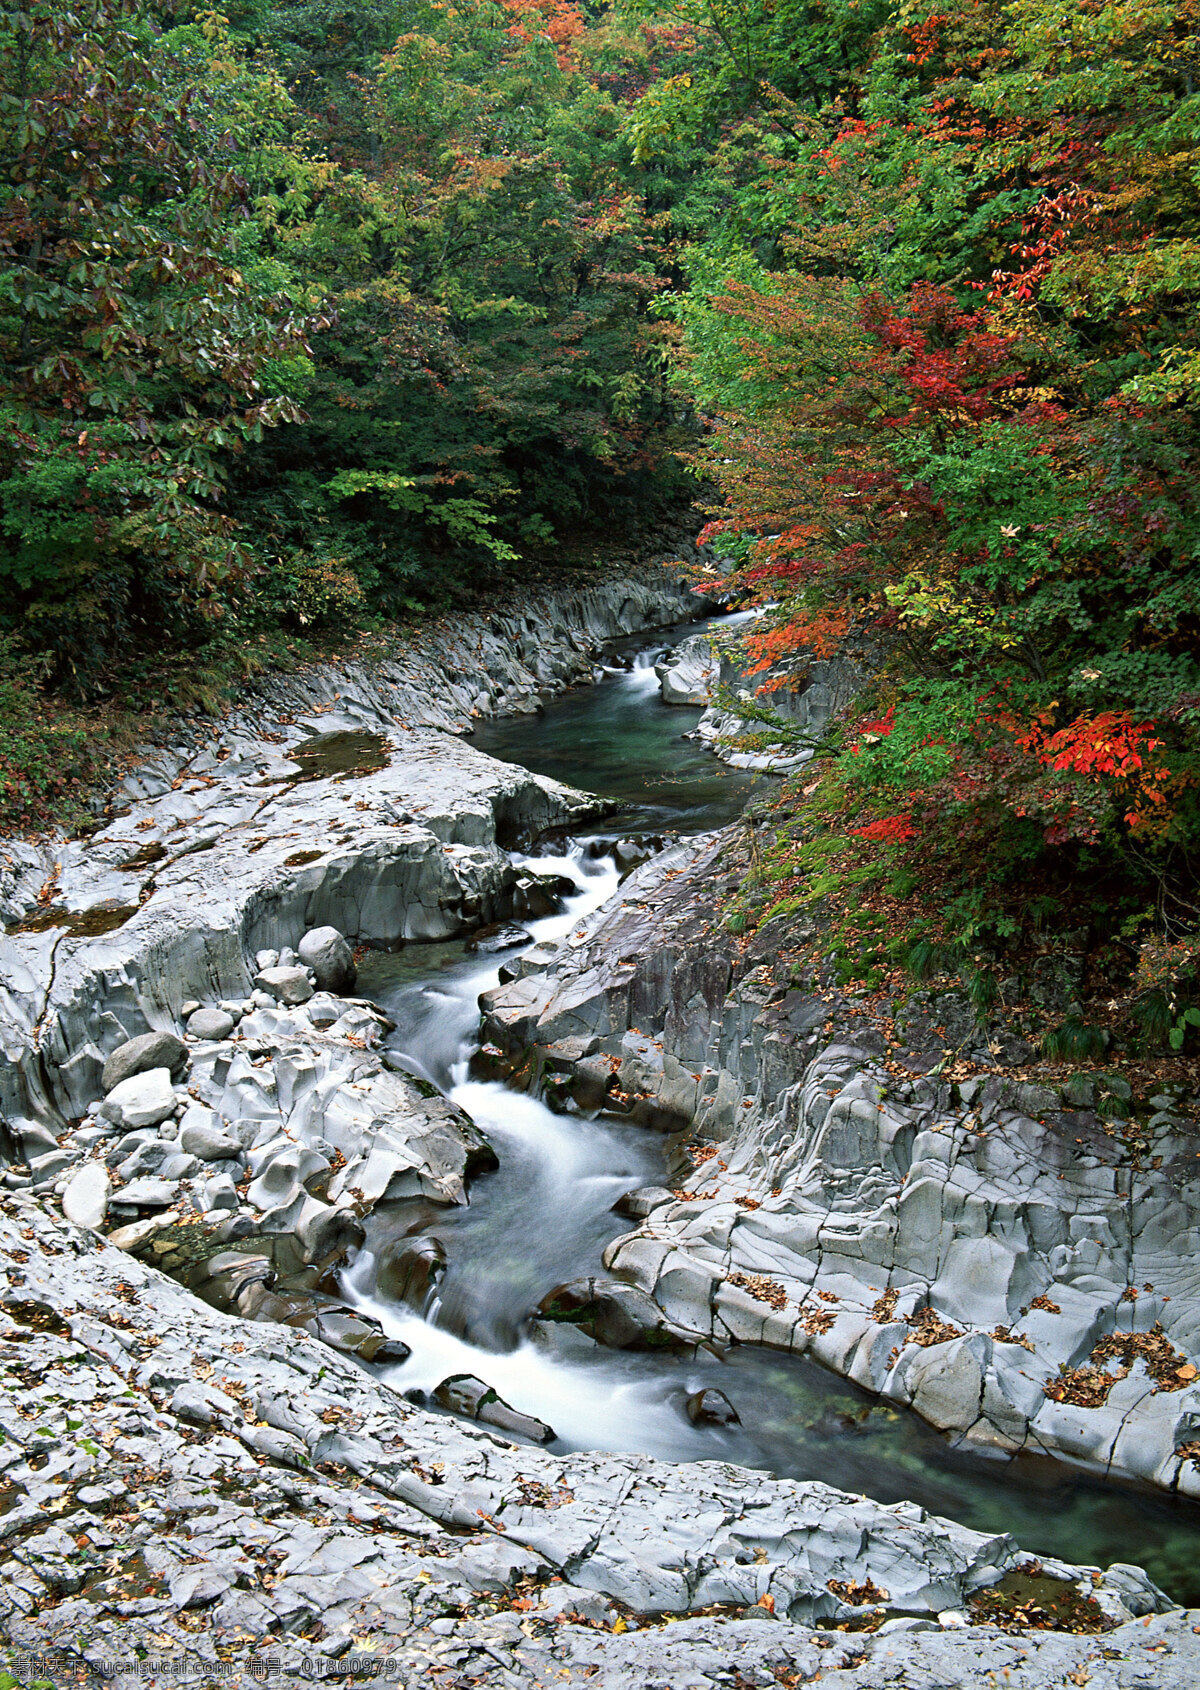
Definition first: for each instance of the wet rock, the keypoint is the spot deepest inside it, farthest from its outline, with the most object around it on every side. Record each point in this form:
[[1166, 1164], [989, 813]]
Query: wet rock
[[628, 853], [138, 1056], [289, 985], [711, 1408], [636, 1205], [85, 1200], [465, 1395], [409, 1271], [538, 894], [210, 1024], [498, 936], [141, 1101], [324, 1232], [357, 1334], [326, 952], [615, 1314]]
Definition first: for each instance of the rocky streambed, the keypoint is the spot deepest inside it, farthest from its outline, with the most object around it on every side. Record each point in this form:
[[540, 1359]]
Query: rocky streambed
[[214, 1114]]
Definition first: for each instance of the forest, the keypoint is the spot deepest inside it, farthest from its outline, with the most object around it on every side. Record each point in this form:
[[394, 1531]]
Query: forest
[[315, 319]]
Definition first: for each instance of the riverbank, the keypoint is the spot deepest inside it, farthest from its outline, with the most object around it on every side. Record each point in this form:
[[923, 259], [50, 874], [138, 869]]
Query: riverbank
[[291, 1495], [979, 1250]]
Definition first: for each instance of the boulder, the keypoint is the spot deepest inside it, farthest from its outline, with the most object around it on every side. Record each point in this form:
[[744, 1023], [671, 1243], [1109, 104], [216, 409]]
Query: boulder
[[498, 936], [323, 1010], [538, 893], [946, 1382], [208, 1144], [141, 1101], [286, 984], [215, 1195], [323, 1232], [621, 1316], [148, 1193], [159, 1158], [409, 1271], [85, 1201], [689, 674], [636, 1205], [327, 953], [138, 1056], [46, 1168], [210, 1024], [463, 1394]]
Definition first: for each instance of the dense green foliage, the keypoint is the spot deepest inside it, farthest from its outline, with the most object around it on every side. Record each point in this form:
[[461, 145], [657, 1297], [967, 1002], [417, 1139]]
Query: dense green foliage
[[307, 316], [940, 303]]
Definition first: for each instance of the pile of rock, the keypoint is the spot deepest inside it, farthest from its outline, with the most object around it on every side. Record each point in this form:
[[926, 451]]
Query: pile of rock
[[242, 1155]]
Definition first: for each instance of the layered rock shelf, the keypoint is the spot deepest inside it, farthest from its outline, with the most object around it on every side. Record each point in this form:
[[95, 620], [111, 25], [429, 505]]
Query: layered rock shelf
[[962, 1249], [201, 1460]]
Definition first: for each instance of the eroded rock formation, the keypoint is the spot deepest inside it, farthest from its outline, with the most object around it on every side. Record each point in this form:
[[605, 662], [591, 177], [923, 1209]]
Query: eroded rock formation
[[959, 1249]]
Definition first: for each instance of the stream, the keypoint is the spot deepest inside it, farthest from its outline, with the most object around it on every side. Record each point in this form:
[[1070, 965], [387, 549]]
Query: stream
[[545, 1215]]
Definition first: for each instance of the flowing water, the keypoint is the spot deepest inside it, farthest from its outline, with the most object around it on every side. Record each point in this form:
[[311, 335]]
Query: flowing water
[[545, 1215]]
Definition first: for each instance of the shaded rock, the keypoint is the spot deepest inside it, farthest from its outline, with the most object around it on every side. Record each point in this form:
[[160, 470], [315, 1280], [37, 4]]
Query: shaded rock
[[323, 1232], [536, 895], [636, 1205], [618, 1315], [356, 1334], [138, 1056], [210, 1024], [141, 1101], [326, 952], [712, 1408], [498, 936], [409, 1272], [463, 1394], [159, 1157], [46, 1168]]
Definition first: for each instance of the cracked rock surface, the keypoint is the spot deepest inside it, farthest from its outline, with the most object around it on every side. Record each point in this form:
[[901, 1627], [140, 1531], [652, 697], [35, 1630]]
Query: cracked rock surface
[[187, 1484]]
